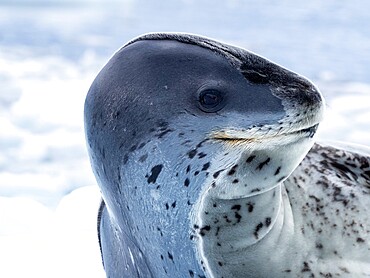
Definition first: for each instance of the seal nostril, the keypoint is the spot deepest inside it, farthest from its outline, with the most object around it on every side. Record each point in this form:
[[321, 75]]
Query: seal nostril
[[254, 76]]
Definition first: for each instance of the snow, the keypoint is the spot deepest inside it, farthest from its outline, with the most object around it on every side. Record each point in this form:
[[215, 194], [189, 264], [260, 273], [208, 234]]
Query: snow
[[50, 52], [41, 242]]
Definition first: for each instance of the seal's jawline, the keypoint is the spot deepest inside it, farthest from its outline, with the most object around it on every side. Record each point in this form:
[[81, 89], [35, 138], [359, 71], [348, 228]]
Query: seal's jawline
[[256, 138]]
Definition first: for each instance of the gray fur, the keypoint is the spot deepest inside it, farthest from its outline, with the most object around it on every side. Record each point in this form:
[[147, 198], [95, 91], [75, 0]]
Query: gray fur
[[189, 193]]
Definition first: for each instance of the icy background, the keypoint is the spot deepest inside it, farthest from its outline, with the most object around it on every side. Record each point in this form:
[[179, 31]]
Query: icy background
[[50, 52]]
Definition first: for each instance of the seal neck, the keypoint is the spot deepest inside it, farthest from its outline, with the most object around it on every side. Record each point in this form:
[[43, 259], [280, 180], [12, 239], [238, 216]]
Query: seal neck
[[229, 229], [240, 206]]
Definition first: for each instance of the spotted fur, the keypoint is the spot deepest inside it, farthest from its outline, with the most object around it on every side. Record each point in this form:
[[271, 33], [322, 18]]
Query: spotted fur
[[319, 218], [188, 192]]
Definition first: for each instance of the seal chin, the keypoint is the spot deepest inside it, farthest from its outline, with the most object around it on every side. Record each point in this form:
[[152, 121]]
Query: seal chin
[[307, 132], [310, 131], [259, 154]]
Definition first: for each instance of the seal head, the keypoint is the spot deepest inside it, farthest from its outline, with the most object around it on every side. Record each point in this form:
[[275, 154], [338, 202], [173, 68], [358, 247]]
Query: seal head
[[179, 129]]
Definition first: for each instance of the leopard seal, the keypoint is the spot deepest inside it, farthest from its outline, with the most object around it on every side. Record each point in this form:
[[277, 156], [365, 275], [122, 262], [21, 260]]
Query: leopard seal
[[202, 154]]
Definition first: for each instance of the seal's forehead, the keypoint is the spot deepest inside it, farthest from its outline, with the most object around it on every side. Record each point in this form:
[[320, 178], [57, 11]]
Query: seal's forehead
[[232, 53], [167, 48], [154, 63], [255, 68]]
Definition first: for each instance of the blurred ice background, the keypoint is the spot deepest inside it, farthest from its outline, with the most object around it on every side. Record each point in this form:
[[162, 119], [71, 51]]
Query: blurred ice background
[[50, 52]]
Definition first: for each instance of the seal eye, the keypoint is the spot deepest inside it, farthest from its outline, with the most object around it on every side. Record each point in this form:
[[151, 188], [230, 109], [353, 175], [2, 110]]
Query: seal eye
[[211, 100]]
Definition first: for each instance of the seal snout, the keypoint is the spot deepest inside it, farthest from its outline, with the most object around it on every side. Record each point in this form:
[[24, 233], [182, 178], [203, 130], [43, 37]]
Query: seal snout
[[308, 95], [303, 104]]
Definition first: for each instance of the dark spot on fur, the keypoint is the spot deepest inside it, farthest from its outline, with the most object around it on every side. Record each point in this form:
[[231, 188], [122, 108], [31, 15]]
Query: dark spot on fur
[[163, 133], [200, 144], [125, 159], [306, 267], [268, 221], [141, 146], [216, 174], [277, 171], [315, 198], [188, 169], [236, 207], [250, 207], [133, 148], [238, 216], [192, 153], [344, 169], [250, 159], [360, 240], [217, 231], [201, 155], [191, 273], [256, 230], [156, 170], [205, 229], [186, 142], [262, 164], [186, 182], [227, 219], [173, 205], [170, 256], [319, 245], [232, 170], [206, 166], [235, 181], [160, 231], [281, 179]]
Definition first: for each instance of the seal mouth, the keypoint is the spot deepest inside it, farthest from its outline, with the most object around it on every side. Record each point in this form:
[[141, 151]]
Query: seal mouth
[[310, 130], [250, 136]]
